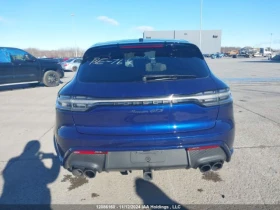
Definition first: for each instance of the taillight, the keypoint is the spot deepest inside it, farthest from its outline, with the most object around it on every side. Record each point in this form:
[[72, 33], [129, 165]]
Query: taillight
[[83, 103], [202, 148], [141, 46], [213, 98], [90, 152], [73, 103]]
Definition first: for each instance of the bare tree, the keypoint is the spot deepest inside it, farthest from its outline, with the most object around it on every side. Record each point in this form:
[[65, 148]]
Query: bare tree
[[59, 53]]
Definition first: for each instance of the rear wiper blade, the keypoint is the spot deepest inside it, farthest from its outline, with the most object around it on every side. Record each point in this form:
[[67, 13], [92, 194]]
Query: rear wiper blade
[[166, 77]]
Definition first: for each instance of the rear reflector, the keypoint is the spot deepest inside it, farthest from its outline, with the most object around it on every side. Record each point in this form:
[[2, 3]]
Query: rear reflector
[[89, 152], [203, 148], [142, 46]]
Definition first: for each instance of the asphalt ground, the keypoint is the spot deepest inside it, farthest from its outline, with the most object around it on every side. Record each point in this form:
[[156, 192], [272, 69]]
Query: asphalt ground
[[27, 116]]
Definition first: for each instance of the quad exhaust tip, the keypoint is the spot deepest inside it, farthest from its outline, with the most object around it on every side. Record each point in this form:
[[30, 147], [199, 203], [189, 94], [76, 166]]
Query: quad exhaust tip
[[77, 172], [204, 168], [214, 166], [90, 173]]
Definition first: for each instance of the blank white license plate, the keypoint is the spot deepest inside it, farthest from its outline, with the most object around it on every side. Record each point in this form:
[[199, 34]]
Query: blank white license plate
[[148, 156]]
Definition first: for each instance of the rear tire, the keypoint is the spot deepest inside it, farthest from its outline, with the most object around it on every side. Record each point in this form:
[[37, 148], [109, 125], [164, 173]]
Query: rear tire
[[74, 69], [51, 78]]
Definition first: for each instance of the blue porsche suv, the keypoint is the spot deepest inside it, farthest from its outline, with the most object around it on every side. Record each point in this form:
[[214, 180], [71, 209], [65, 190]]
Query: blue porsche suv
[[143, 105]]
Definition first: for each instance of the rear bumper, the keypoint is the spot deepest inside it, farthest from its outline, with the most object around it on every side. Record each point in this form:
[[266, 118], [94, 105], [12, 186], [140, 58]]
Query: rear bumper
[[148, 160], [121, 149], [68, 68]]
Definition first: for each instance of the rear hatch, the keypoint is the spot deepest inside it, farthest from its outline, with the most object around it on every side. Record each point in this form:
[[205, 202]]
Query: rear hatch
[[142, 89]]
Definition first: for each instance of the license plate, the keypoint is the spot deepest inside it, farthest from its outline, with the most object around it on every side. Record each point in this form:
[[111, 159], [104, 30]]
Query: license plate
[[147, 156]]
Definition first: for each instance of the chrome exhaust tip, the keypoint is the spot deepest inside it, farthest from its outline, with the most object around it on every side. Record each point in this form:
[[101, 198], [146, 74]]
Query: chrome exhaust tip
[[204, 168], [217, 165], [77, 172], [90, 173]]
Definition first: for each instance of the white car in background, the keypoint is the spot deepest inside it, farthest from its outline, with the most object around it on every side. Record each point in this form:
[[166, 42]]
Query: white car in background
[[71, 64], [257, 54]]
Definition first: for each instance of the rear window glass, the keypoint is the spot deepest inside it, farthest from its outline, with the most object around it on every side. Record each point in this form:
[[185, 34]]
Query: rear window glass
[[130, 63], [69, 60], [78, 61]]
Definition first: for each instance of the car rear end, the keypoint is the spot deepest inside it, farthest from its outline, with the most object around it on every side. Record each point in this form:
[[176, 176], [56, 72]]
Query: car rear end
[[67, 65], [143, 106]]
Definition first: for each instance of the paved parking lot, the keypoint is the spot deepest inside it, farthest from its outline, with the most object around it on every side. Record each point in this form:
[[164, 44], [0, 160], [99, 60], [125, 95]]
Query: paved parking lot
[[252, 177]]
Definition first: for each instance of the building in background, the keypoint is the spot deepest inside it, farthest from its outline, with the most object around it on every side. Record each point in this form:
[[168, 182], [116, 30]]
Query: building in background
[[210, 39]]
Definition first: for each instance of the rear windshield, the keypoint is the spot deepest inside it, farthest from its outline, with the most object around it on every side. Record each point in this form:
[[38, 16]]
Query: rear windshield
[[69, 60], [130, 63]]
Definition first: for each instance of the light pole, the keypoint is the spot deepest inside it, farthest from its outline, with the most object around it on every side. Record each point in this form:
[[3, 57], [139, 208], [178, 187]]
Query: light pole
[[201, 2], [270, 41], [73, 28]]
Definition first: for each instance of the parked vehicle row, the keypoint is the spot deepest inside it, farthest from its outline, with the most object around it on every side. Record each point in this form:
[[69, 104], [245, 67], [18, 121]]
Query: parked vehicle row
[[71, 64], [246, 52], [215, 55], [20, 67]]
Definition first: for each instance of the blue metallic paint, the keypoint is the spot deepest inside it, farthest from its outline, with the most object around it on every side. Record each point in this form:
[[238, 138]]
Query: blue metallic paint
[[119, 120], [223, 133], [187, 125]]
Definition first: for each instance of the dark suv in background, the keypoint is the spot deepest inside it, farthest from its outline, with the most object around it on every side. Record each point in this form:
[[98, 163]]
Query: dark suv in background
[[144, 105], [19, 67]]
